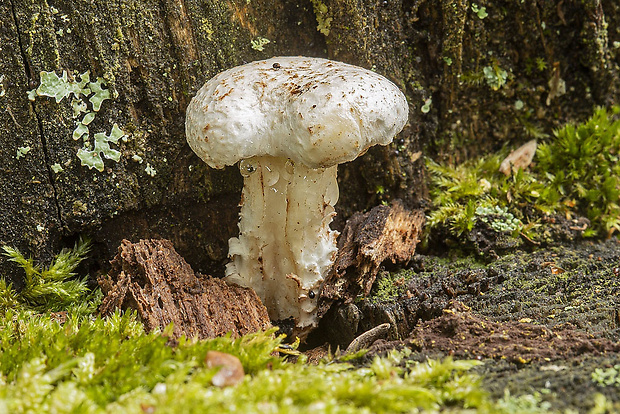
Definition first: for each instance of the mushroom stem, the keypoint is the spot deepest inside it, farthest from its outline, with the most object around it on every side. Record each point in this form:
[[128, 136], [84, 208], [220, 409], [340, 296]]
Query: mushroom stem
[[285, 246]]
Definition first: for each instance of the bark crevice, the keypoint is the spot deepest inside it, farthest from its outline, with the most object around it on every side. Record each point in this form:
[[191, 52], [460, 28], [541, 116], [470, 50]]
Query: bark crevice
[[31, 78]]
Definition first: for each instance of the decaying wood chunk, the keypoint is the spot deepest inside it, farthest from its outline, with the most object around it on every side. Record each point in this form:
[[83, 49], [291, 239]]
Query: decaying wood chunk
[[368, 239], [152, 278]]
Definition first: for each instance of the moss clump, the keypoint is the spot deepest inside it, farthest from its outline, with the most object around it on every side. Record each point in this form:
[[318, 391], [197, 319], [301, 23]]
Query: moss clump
[[607, 377], [581, 165], [50, 289], [476, 191], [576, 173], [322, 19], [389, 286], [95, 365]]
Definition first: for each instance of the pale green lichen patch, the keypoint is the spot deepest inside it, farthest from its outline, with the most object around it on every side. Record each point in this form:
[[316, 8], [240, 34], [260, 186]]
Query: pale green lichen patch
[[78, 106], [93, 158], [481, 12], [150, 170], [100, 94], [57, 168], [59, 88], [88, 118], [79, 131], [427, 105], [499, 218], [495, 76], [22, 151], [84, 92], [259, 43]]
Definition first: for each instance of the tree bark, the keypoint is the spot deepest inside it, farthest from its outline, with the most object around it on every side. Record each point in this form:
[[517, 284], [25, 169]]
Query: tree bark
[[153, 56], [477, 75]]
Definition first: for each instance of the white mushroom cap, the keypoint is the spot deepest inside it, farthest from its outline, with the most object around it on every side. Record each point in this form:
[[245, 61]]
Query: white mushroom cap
[[314, 111]]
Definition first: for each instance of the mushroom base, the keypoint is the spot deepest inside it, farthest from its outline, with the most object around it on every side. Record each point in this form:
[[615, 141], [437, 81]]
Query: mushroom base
[[285, 246]]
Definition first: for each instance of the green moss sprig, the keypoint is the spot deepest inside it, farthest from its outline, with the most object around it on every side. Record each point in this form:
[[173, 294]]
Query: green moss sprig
[[50, 289], [581, 164], [575, 173], [476, 190]]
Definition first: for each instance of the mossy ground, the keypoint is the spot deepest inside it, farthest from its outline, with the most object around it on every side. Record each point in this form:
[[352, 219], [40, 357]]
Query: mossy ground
[[92, 365], [570, 292], [73, 361], [76, 362]]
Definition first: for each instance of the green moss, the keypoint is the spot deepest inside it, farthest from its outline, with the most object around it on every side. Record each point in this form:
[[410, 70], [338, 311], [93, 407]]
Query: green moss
[[53, 288], [607, 377], [576, 172], [495, 76], [469, 192], [581, 164], [481, 12], [389, 286], [323, 21], [112, 365]]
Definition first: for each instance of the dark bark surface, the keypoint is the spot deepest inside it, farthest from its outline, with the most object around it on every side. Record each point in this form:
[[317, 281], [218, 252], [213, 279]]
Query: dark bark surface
[[153, 56], [573, 285], [464, 71]]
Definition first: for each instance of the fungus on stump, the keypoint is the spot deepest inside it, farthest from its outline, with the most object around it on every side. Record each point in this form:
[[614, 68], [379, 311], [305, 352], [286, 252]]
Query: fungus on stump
[[290, 121]]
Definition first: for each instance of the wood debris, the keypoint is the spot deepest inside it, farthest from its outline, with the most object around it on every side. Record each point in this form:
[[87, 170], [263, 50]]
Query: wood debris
[[152, 278], [368, 239], [521, 158]]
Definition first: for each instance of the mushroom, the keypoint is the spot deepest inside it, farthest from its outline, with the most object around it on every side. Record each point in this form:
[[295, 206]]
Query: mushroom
[[290, 121]]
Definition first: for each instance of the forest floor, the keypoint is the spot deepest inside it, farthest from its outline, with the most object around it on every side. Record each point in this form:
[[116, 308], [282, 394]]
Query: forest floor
[[545, 323], [532, 331]]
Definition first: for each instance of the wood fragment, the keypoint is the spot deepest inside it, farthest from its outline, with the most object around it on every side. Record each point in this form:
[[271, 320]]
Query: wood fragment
[[369, 239], [152, 278], [366, 339]]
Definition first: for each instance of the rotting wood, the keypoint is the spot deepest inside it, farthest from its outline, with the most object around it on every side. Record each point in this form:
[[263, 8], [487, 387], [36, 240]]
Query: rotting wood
[[369, 239], [152, 278], [366, 339]]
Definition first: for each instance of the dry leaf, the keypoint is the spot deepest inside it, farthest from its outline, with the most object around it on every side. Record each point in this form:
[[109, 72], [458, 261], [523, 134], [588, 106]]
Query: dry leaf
[[519, 158], [231, 372]]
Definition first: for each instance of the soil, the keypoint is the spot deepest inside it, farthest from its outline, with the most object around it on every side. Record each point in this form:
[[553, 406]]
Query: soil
[[542, 321]]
